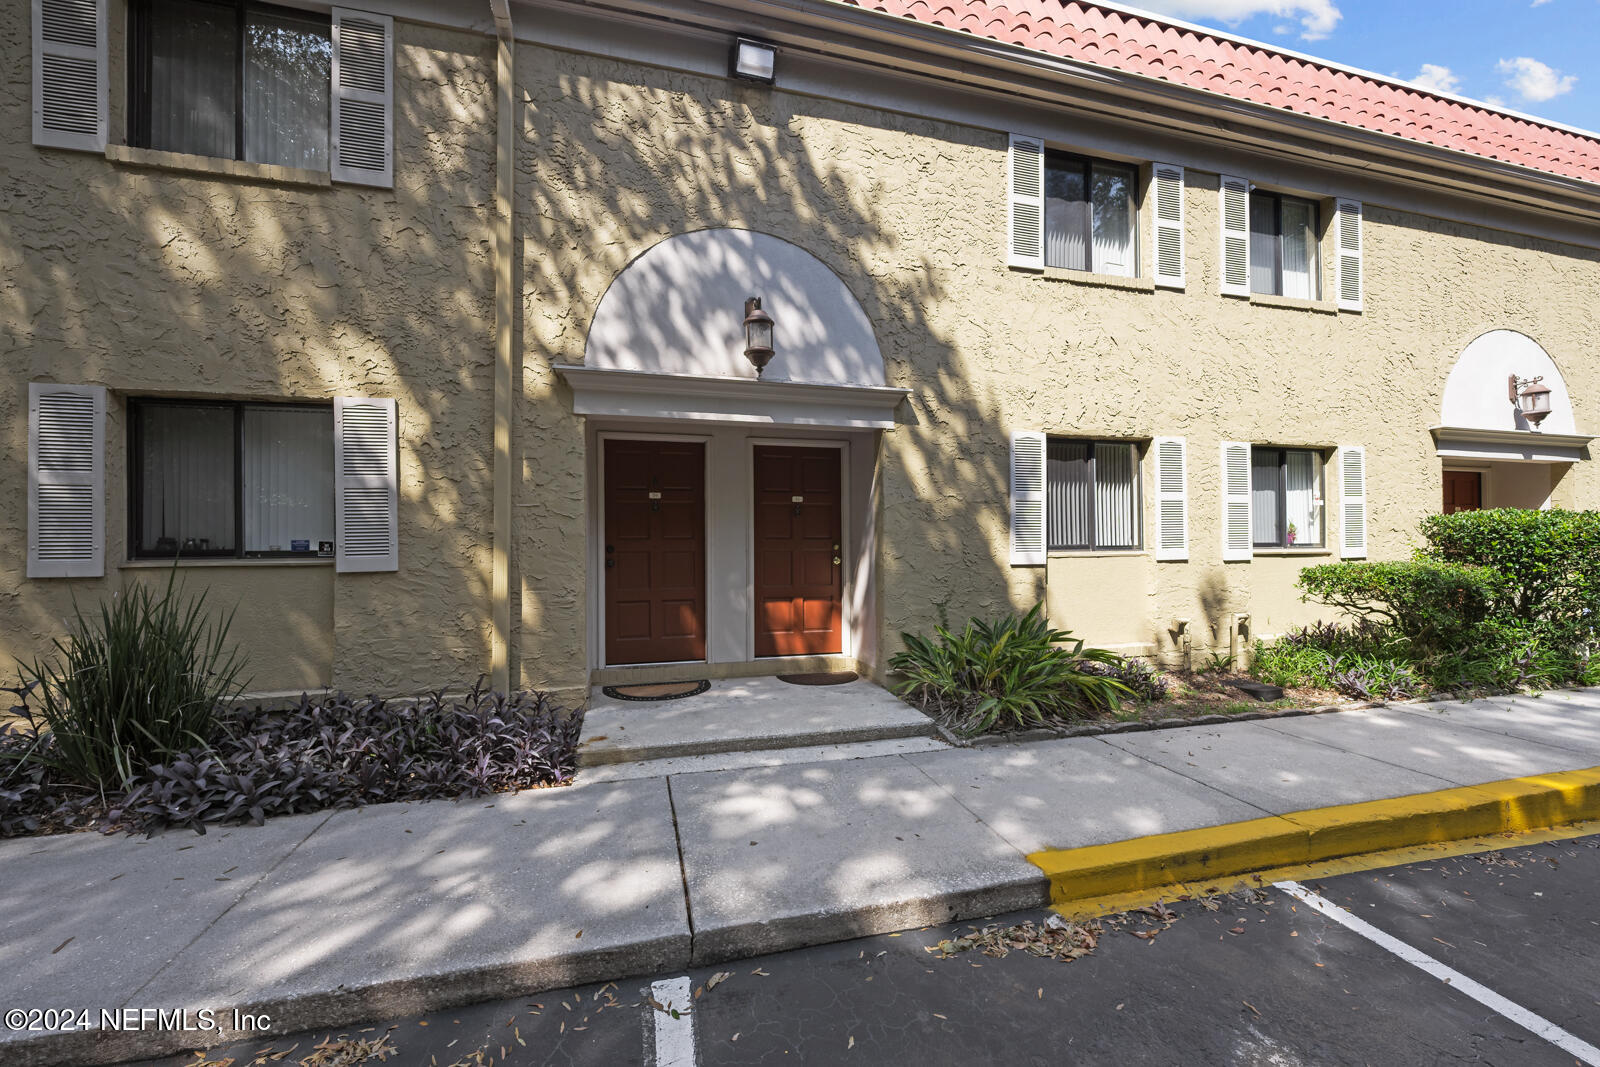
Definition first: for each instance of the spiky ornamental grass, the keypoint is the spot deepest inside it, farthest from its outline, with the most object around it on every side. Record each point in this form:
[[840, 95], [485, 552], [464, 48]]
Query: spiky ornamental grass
[[135, 681], [1011, 673]]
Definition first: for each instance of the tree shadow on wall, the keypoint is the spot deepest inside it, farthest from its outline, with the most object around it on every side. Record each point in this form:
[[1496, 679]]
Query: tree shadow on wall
[[166, 284], [615, 159]]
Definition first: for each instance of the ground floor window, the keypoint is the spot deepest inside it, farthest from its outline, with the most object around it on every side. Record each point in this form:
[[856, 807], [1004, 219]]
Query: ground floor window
[[1286, 497], [1092, 494], [227, 479]]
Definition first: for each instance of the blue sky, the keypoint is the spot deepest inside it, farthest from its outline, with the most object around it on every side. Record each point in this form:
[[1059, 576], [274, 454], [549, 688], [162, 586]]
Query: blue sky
[[1534, 56]]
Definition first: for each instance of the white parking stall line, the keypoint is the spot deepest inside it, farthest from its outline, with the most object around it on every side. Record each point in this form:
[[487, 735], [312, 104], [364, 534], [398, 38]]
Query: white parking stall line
[[674, 1033], [1524, 1018]]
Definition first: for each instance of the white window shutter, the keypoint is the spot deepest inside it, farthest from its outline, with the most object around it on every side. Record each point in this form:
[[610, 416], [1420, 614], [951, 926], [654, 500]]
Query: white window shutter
[[69, 74], [1027, 499], [1347, 232], [1235, 236], [363, 98], [1167, 196], [1172, 499], [66, 481], [1025, 201], [366, 481], [1353, 502], [1238, 536]]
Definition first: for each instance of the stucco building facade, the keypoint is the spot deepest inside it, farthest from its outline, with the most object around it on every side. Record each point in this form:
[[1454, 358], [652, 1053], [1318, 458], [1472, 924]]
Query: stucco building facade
[[476, 360]]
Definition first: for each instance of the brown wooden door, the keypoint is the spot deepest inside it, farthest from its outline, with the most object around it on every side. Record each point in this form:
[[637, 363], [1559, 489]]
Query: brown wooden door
[[1463, 491], [655, 527], [799, 591]]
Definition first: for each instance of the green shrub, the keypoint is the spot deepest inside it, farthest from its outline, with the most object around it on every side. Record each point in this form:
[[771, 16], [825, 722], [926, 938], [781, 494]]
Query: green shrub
[[1290, 665], [1434, 606], [1009, 674], [134, 683], [1549, 562]]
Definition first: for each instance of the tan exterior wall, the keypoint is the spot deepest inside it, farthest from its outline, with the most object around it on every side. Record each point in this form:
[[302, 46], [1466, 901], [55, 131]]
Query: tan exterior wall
[[911, 213], [153, 282]]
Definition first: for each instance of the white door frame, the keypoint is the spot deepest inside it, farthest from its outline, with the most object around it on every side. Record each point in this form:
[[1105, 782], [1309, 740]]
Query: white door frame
[[597, 566], [846, 548]]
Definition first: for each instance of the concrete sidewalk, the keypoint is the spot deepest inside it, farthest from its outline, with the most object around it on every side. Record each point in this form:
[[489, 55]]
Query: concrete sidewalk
[[327, 919]]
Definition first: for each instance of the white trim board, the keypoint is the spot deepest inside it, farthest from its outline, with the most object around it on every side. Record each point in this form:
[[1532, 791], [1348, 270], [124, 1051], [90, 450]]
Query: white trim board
[[647, 395], [1508, 446]]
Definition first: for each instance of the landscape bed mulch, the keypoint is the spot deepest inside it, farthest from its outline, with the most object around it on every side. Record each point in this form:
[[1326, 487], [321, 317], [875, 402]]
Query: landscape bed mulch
[[1193, 699]]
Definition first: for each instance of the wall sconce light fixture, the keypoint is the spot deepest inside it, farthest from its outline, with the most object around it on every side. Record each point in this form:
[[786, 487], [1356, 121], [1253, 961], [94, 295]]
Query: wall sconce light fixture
[[757, 335], [1531, 398]]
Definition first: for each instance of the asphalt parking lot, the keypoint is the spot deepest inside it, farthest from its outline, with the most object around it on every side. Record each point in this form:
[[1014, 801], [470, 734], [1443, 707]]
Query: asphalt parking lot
[[1508, 943]]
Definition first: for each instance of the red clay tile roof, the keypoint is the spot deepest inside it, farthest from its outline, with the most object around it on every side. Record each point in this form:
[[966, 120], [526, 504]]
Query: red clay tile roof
[[1140, 45]]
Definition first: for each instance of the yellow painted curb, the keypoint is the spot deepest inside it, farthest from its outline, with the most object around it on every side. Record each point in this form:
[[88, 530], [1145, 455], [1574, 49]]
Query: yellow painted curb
[[1301, 837]]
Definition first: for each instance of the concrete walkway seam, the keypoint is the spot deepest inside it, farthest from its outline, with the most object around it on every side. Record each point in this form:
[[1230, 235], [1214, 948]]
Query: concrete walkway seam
[[1216, 852], [683, 869]]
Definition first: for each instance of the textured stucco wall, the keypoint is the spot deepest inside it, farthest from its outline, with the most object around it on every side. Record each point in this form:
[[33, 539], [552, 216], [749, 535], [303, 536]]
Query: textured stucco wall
[[151, 281], [911, 214]]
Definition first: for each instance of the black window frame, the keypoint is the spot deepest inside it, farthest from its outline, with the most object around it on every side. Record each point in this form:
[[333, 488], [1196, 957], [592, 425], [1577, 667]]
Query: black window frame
[[1313, 254], [1055, 159], [140, 22], [1093, 528], [1319, 462], [135, 459]]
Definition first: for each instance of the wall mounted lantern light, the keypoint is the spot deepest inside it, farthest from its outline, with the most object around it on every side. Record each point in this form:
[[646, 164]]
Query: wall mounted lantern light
[[1531, 397], [757, 335], [753, 60]]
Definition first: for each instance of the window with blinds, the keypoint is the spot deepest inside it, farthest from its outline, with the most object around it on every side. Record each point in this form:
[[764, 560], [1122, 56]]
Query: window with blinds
[[231, 80], [1091, 494], [1286, 498], [1089, 215], [231, 480], [1283, 246]]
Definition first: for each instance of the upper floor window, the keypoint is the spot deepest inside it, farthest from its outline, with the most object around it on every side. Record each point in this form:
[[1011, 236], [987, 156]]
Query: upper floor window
[[1283, 245], [1091, 494], [1285, 497], [1089, 215], [230, 80]]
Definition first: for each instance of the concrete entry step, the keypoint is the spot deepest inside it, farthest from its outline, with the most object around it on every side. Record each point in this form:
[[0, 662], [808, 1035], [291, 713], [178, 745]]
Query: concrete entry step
[[678, 766], [745, 715]]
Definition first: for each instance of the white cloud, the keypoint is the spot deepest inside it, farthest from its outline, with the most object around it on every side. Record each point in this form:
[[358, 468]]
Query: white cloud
[[1534, 80], [1317, 18], [1436, 79], [1539, 3]]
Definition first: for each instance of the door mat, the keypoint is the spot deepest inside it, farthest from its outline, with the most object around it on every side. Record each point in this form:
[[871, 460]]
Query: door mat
[[826, 678], [657, 690]]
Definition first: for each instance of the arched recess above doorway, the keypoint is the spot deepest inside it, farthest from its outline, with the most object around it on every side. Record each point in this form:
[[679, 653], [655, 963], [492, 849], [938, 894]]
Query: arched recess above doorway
[[667, 340], [1478, 418]]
